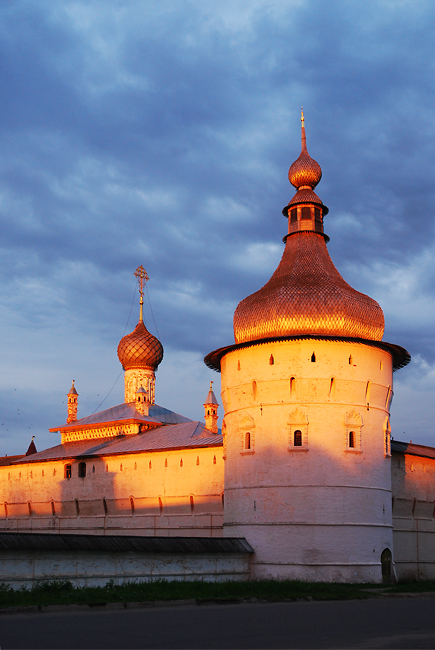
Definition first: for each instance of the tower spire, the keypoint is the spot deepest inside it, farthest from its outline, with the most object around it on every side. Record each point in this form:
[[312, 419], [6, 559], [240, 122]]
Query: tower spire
[[142, 277], [303, 136]]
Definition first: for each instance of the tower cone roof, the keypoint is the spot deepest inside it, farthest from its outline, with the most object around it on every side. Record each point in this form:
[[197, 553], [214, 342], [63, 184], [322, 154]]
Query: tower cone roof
[[306, 294], [211, 397]]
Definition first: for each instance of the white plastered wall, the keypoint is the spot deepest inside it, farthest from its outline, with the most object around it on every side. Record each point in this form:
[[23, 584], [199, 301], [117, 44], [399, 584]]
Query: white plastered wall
[[174, 492], [322, 510]]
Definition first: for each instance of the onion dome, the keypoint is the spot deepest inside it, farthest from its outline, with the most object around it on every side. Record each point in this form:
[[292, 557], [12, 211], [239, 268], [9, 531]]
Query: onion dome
[[305, 172], [140, 349], [307, 295]]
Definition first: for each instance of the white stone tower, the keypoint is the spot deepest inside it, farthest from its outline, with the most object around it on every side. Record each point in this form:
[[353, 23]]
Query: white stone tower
[[306, 391], [140, 353]]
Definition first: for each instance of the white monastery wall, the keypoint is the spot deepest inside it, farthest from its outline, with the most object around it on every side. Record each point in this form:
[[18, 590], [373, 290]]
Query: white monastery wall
[[24, 568], [322, 510], [413, 516], [176, 492]]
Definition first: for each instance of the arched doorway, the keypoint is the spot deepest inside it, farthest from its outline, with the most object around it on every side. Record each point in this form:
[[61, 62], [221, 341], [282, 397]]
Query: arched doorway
[[387, 566]]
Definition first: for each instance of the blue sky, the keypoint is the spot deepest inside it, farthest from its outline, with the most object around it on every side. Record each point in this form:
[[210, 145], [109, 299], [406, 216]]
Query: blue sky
[[161, 133]]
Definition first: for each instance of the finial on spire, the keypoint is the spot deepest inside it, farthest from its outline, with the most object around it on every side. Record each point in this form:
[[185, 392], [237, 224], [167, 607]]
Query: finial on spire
[[211, 385], [142, 277], [304, 139]]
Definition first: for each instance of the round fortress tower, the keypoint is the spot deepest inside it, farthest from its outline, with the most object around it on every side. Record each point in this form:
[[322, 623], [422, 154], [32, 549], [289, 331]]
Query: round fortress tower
[[306, 389]]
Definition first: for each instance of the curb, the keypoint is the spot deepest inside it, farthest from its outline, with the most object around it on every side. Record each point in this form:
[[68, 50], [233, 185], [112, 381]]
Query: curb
[[146, 604]]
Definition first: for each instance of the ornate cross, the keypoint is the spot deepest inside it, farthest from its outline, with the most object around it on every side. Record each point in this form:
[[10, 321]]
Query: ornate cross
[[142, 277]]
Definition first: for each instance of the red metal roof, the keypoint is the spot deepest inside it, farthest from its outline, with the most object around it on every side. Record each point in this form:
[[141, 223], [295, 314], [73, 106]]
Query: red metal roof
[[186, 435]]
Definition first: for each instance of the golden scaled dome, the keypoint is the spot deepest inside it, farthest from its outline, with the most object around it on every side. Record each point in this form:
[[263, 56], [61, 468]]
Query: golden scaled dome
[[305, 172], [307, 295], [140, 349]]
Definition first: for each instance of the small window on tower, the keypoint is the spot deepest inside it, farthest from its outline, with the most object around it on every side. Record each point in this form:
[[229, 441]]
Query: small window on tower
[[247, 440], [306, 213], [271, 360], [67, 471], [313, 358], [297, 438], [293, 215], [351, 439]]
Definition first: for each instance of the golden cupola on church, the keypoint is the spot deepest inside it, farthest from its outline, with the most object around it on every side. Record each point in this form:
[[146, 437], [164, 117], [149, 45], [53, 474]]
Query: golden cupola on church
[[140, 353], [306, 390]]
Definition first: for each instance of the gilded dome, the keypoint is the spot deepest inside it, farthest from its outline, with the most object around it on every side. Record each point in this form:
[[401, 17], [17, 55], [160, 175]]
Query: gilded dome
[[307, 295], [140, 349]]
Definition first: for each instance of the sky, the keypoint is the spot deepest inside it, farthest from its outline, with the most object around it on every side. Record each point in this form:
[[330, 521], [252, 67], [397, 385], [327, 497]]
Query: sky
[[160, 133]]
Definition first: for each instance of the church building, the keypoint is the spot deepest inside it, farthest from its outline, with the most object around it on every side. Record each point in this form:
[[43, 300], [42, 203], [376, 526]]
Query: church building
[[303, 477]]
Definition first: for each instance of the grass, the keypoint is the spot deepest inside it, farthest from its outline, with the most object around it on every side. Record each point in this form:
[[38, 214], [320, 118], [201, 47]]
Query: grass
[[63, 592]]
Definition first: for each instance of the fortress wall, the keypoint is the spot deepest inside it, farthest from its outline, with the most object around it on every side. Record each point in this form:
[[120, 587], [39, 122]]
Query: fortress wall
[[175, 492], [413, 484]]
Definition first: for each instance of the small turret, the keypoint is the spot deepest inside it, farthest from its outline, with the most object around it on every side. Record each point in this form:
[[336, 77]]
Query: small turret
[[142, 401], [32, 448], [211, 407], [72, 404]]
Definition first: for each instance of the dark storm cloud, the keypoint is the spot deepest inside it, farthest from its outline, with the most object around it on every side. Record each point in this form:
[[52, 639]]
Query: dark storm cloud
[[161, 134]]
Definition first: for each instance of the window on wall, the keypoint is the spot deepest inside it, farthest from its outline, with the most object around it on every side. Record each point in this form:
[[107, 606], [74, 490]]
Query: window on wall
[[351, 442], [82, 470], [67, 471], [247, 440], [297, 438]]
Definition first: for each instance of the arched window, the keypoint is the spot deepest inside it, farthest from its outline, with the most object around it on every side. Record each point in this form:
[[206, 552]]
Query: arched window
[[53, 509], [247, 440], [132, 505], [271, 360], [67, 471], [192, 505], [313, 358], [297, 438], [82, 470], [292, 386], [29, 506], [105, 507], [351, 439]]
